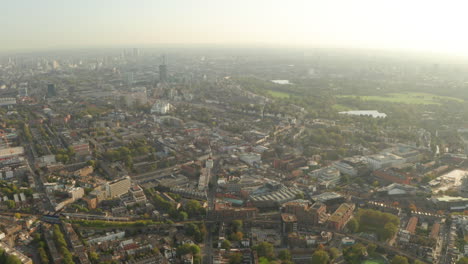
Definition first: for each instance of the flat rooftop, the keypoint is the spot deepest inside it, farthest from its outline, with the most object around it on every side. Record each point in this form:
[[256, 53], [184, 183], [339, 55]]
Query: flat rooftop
[[7, 152]]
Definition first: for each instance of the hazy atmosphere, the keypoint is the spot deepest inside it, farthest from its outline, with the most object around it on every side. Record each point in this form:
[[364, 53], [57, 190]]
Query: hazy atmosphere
[[233, 132], [431, 26]]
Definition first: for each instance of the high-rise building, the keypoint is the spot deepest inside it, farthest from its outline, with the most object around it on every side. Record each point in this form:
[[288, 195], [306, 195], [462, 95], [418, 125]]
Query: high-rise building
[[163, 71], [23, 90], [129, 78], [136, 52], [55, 65], [118, 187], [51, 92]]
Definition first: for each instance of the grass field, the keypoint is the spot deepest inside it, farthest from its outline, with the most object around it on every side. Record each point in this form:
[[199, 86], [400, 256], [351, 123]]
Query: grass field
[[407, 98], [340, 107], [373, 261], [278, 94]]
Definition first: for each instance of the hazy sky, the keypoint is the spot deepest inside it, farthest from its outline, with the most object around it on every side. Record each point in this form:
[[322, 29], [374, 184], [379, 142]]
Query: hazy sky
[[423, 25]]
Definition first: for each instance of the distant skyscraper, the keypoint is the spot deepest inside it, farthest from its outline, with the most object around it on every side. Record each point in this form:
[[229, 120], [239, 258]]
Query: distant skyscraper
[[51, 92], [136, 52], [129, 78], [163, 71], [55, 65]]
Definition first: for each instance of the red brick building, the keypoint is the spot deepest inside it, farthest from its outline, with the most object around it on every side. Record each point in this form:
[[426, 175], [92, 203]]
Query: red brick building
[[225, 212], [307, 214], [341, 216], [411, 226], [393, 176]]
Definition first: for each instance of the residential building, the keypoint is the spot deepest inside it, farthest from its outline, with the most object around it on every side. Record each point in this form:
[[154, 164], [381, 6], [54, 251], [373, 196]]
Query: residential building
[[391, 175], [81, 148], [225, 212], [288, 223], [412, 224], [307, 214], [118, 187], [12, 251], [435, 231], [161, 107], [10, 153], [137, 194], [341, 216]]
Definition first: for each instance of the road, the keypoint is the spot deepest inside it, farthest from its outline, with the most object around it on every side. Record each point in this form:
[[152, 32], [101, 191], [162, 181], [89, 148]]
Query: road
[[208, 246], [154, 175], [39, 180]]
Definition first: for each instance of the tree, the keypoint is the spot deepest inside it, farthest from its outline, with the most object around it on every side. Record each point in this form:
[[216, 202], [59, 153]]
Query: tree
[[183, 216], [389, 231], [193, 207], [188, 248], [13, 260], [94, 257], [226, 244], [399, 260], [43, 255], [334, 253], [371, 248], [67, 256], [265, 249], [235, 258], [191, 229], [300, 195], [237, 236], [10, 203], [263, 260], [92, 163], [284, 255], [355, 253], [17, 215], [237, 225], [10, 259], [463, 260], [353, 225], [320, 257], [384, 224]]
